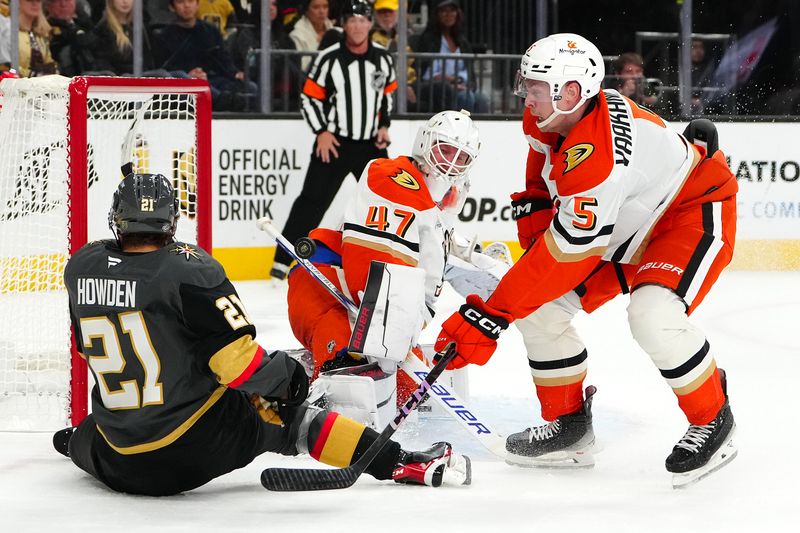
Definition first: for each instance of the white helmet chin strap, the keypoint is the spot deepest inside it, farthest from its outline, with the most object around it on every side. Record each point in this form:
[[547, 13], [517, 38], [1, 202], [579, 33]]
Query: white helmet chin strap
[[556, 111]]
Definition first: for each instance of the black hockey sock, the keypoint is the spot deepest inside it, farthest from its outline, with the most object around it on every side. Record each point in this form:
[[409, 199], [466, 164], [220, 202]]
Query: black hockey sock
[[384, 464]]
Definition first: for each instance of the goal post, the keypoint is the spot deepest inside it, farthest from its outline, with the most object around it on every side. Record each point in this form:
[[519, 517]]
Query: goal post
[[62, 144]]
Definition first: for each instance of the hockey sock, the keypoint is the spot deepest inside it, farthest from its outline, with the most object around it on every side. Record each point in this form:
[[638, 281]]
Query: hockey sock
[[702, 403], [339, 441], [560, 399]]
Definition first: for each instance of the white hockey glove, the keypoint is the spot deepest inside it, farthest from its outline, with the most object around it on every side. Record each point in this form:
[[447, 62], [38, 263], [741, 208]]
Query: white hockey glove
[[481, 274]]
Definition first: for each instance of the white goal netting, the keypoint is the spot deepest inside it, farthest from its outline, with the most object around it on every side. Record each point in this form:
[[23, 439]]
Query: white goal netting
[[41, 213]]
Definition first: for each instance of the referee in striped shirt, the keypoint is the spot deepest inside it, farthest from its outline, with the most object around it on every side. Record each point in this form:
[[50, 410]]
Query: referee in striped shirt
[[346, 100]]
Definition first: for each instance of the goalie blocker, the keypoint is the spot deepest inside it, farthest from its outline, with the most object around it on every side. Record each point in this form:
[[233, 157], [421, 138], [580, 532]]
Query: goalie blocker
[[386, 328]]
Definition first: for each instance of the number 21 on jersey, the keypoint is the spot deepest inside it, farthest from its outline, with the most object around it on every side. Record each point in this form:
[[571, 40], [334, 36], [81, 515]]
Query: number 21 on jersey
[[129, 395]]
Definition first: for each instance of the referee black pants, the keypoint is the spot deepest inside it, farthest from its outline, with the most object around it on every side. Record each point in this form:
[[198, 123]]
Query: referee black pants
[[321, 185]]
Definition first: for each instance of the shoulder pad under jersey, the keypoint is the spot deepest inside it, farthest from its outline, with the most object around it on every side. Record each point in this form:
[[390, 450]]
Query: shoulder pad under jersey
[[190, 264], [586, 155], [400, 182]]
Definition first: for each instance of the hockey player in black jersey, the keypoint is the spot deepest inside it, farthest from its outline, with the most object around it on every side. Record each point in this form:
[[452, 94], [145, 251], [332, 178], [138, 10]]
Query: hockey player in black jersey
[[183, 391]]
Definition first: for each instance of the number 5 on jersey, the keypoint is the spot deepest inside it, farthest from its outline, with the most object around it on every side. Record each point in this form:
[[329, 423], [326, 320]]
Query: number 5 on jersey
[[583, 210]]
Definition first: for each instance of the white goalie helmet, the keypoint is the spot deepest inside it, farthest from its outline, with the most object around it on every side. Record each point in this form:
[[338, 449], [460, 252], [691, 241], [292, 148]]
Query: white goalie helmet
[[445, 148], [558, 59]]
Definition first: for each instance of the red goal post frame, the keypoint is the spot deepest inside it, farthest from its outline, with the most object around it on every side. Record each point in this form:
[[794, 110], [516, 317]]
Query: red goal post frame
[[80, 89]]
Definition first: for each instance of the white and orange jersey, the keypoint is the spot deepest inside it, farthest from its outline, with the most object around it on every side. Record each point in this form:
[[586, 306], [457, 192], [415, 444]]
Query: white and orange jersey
[[614, 176], [610, 179], [393, 219]]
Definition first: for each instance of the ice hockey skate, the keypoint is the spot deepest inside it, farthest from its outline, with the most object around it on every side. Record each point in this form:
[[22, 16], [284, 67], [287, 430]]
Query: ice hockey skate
[[566, 442], [61, 440], [704, 449], [436, 466]]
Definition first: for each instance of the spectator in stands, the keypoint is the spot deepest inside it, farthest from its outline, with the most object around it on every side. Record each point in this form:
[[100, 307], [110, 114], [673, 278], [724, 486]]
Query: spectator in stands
[[289, 11], [445, 35], [630, 81], [113, 43], [218, 13], [309, 28], [246, 11], [384, 32], [196, 47], [286, 73], [158, 14], [71, 40], [34, 41], [702, 71]]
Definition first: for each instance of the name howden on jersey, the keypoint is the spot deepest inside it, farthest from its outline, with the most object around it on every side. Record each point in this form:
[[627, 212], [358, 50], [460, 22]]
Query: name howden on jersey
[[107, 292]]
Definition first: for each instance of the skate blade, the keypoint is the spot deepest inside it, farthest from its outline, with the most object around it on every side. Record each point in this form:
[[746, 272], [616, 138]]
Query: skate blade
[[583, 458], [724, 455]]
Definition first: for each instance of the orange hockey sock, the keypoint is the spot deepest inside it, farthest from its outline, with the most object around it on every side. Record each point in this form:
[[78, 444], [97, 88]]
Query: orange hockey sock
[[703, 403], [560, 399]]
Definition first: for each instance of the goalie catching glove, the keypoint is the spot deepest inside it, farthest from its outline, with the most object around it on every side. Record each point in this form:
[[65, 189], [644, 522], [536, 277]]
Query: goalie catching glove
[[475, 329]]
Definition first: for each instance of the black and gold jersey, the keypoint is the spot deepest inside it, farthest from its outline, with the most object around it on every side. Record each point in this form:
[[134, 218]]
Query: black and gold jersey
[[164, 334]]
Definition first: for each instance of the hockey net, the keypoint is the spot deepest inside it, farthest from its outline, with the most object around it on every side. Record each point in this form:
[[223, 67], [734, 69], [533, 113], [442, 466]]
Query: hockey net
[[62, 144]]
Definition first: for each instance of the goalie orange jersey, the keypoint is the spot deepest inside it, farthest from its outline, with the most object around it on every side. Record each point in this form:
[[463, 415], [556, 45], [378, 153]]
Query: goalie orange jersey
[[391, 218]]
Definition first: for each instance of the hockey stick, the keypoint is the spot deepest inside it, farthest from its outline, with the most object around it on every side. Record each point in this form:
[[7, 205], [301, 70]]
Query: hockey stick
[[416, 369], [265, 224], [295, 479]]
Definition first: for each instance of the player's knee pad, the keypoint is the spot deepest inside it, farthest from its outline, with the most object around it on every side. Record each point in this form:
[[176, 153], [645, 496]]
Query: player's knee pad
[[364, 393], [658, 322], [548, 332]]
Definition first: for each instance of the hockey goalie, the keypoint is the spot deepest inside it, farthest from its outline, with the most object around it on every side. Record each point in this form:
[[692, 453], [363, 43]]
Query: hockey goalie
[[393, 252]]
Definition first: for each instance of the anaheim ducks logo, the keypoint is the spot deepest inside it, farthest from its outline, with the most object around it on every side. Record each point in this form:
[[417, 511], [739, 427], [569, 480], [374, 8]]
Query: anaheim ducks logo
[[404, 179], [575, 155]]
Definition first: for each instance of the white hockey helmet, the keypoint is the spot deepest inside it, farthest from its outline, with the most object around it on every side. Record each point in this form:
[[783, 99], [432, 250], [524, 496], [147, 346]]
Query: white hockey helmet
[[558, 59], [445, 148]]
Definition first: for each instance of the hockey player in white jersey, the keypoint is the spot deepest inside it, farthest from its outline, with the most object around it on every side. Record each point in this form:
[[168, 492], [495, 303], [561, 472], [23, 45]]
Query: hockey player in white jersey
[[615, 201], [401, 215]]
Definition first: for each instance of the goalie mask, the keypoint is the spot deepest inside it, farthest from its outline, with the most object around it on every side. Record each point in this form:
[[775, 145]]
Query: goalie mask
[[144, 203], [445, 149], [556, 60]]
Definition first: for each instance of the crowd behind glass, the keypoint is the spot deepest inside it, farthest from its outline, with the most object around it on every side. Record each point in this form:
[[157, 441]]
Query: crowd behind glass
[[219, 41]]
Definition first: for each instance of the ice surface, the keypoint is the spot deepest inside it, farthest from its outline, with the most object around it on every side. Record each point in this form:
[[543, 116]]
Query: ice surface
[[751, 320]]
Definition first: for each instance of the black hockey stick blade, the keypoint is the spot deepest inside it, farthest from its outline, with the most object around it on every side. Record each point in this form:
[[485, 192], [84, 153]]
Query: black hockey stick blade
[[295, 479], [301, 479]]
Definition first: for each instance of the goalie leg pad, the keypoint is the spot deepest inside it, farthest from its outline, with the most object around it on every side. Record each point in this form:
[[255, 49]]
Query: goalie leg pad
[[391, 314], [364, 393]]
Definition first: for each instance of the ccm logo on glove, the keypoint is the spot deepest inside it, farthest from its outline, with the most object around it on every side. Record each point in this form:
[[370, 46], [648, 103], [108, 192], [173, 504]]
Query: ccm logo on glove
[[492, 328]]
